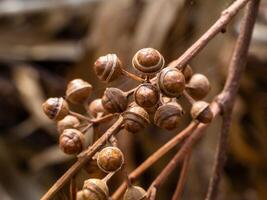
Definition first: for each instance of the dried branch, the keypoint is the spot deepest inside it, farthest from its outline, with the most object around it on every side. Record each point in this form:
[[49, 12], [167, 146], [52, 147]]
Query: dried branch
[[228, 95], [216, 28], [155, 157], [182, 178], [82, 158]]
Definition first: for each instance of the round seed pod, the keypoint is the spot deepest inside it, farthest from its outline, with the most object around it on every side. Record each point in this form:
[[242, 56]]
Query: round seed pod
[[96, 107], [171, 82], [94, 189], [71, 141], [108, 67], [110, 159], [78, 91], [114, 100], [67, 122], [135, 119], [146, 95], [201, 111], [168, 115], [135, 193], [148, 61], [55, 108], [198, 86], [188, 73]]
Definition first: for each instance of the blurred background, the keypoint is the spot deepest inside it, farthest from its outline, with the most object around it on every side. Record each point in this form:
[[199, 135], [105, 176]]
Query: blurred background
[[46, 43]]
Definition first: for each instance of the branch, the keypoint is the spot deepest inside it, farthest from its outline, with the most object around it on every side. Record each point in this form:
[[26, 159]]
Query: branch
[[185, 149], [154, 157], [216, 28], [82, 158], [228, 95], [182, 178]]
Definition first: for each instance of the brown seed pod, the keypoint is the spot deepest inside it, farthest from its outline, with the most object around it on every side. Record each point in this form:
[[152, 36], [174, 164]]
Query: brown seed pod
[[198, 86], [114, 100], [168, 115], [148, 61], [55, 108], [108, 67], [96, 107], [110, 159], [201, 111], [188, 73], [71, 141], [67, 122], [94, 189], [171, 82], [135, 193], [135, 119], [78, 91], [146, 95]]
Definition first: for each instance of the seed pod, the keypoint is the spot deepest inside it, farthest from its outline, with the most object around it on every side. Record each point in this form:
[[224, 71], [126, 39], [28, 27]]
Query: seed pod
[[110, 159], [67, 122], [135, 193], [71, 141], [171, 82], [198, 86], [96, 107], [188, 72], [114, 100], [146, 95], [108, 67], [55, 108], [94, 189], [148, 61], [135, 119], [78, 91], [168, 115], [201, 111]]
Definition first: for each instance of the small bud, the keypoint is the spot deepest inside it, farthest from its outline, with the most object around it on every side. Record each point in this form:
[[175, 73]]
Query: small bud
[[201, 111], [55, 108], [67, 122], [148, 61], [114, 100], [135, 193], [71, 141], [78, 91], [146, 95], [96, 107], [198, 86]]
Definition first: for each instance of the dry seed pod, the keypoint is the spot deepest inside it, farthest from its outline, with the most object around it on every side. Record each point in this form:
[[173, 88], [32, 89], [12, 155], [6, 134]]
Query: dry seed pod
[[171, 82], [108, 67], [198, 86], [148, 61], [114, 100], [135, 193], [55, 108], [135, 119], [71, 141], [146, 95], [94, 189], [201, 111], [68, 122], [188, 72], [78, 91], [168, 115], [110, 159], [96, 107]]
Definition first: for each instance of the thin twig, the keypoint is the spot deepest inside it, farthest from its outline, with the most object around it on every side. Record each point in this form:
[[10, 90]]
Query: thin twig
[[216, 28], [154, 157], [228, 95], [83, 158], [73, 188], [182, 178], [187, 146]]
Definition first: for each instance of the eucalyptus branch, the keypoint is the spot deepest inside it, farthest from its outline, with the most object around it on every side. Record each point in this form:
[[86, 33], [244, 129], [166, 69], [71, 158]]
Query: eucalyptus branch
[[83, 158], [229, 93]]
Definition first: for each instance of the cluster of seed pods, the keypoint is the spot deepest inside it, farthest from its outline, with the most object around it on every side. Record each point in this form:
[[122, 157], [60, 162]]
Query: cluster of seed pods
[[156, 99]]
